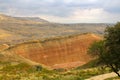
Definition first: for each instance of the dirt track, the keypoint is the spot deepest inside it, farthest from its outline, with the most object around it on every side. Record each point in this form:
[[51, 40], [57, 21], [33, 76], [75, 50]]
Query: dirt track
[[103, 76]]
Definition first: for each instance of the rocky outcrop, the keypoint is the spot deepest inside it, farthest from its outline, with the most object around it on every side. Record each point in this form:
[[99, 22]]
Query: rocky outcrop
[[55, 52]]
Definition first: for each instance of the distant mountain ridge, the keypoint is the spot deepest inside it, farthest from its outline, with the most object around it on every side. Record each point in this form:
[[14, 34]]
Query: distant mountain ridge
[[37, 19], [20, 29], [34, 19]]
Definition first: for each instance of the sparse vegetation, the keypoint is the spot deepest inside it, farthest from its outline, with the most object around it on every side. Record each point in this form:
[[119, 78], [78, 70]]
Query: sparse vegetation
[[23, 71], [90, 64]]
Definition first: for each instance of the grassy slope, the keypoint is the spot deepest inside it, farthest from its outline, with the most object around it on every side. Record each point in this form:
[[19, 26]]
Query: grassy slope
[[23, 71]]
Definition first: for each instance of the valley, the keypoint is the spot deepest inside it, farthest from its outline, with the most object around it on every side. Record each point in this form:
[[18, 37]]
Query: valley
[[48, 49]]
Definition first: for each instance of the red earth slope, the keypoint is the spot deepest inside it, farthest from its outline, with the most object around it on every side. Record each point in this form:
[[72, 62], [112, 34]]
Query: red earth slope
[[64, 52]]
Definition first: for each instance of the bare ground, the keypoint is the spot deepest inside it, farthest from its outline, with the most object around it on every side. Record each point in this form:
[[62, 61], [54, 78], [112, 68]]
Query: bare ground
[[103, 76]]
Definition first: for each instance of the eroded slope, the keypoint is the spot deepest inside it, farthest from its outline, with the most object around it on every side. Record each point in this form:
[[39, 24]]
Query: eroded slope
[[63, 52]]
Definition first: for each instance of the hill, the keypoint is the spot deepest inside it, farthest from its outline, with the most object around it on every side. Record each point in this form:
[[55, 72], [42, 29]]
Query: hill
[[60, 52], [37, 19], [15, 30]]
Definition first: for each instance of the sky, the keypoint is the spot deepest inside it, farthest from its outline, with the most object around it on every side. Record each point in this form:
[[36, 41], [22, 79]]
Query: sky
[[64, 11]]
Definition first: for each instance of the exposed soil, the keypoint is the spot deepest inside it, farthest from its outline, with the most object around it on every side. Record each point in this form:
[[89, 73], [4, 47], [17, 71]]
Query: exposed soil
[[58, 53]]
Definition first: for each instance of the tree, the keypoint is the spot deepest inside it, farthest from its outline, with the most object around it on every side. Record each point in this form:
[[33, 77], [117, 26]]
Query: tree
[[97, 49], [112, 46], [108, 50]]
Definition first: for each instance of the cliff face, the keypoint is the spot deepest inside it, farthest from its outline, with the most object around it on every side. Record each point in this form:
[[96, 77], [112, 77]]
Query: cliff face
[[57, 53]]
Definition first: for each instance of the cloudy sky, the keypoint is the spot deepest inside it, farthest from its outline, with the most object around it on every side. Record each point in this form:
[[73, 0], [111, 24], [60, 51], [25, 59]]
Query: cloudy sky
[[65, 11]]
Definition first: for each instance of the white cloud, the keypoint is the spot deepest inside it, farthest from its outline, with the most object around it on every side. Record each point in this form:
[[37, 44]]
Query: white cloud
[[95, 15], [84, 1], [87, 13], [67, 1]]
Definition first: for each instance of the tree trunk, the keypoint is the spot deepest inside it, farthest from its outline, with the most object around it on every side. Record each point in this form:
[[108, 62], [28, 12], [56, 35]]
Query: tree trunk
[[115, 70]]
